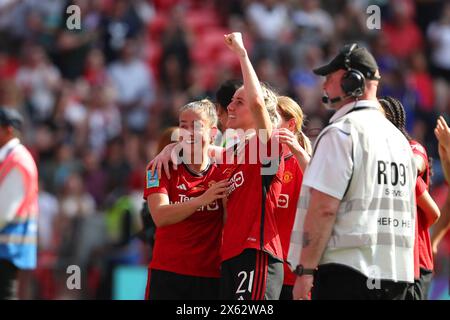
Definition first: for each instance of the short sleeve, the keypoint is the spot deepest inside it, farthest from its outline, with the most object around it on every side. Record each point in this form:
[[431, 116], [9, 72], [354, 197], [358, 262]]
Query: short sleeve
[[155, 184], [331, 166], [421, 187]]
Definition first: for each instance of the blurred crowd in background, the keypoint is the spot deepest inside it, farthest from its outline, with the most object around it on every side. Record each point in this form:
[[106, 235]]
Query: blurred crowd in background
[[96, 100]]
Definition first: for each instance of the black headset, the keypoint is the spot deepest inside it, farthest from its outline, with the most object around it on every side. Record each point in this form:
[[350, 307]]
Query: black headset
[[353, 82]]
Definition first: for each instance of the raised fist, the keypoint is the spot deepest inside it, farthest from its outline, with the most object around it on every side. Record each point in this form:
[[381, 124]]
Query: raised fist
[[235, 43]]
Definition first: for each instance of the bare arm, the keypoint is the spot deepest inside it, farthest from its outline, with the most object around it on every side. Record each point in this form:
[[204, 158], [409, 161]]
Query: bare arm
[[253, 92], [288, 138], [429, 208], [164, 213], [317, 229], [442, 225], [445, 162], [442, 132], [318, 225]]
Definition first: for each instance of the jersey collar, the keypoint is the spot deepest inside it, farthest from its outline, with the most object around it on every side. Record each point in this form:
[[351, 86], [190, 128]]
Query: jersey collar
[[198, 174], [353, 105], [6, 149]]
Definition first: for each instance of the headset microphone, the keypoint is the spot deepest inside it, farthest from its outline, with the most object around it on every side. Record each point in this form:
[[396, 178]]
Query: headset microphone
[[327, 100]]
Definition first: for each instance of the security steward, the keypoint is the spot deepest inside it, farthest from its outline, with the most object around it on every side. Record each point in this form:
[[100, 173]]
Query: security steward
[[353, 235], [18, 205]]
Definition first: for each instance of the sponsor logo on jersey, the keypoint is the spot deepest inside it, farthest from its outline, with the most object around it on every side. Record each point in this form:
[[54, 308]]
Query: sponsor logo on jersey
[[236, 181], [213, 206], [152, 181], [283, 201]]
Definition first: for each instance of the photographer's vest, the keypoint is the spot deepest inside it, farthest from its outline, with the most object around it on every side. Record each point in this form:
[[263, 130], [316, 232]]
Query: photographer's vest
[[18, 239], [374, 228]]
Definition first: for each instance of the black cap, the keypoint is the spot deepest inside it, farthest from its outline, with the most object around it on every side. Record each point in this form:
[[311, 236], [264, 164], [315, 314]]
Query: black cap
[[359, 59], [10, 117]]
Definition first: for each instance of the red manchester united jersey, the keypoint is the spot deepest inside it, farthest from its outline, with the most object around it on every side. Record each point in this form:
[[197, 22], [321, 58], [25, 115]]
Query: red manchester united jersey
[[287, 206], [192, 246], [252, 200], [423, 243]]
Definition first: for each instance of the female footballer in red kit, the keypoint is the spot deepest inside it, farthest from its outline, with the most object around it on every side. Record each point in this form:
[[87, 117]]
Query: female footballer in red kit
[[188, 213]]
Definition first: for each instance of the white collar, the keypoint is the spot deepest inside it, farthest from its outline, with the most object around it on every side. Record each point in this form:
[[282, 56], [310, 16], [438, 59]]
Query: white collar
[[4, 151], [354, 104]]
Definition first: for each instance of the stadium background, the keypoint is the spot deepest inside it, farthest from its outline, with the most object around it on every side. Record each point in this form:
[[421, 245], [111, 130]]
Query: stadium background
[[96, 99]]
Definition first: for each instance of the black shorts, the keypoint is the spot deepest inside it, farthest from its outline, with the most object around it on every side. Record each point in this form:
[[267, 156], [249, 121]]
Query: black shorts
[[420, 288], [339, 282], [164, 285], [8, 280], [252, 275], [286, 292]]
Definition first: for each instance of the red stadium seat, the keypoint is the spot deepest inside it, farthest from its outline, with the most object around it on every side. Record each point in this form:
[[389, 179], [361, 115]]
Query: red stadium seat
[[201, 21]]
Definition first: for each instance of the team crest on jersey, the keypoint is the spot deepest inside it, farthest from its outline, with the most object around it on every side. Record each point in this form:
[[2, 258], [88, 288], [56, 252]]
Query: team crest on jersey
[[152, 181], [197, 188], [287, 177]]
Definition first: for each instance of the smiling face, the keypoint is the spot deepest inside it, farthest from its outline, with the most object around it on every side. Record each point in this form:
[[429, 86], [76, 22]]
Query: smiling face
[[239, 114], [195, 130]]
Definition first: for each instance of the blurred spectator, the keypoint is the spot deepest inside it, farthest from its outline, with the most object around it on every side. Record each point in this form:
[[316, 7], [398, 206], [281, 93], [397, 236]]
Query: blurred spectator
[[104, 119], [316, 23], [38, 80], [48, 211], [70, 115], [95, 72], [72, 46], [351, 21], [8, 66], [121, 23], [66, 165], [76, 204], [44, 147], [135, 86], [438, 34], [175, 64], [421, 81], [395, 84], [402, 33], [75, 201], [269, 18], [269, 21], [95, 179], [10, 94], [305, 84], [117, 169]]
